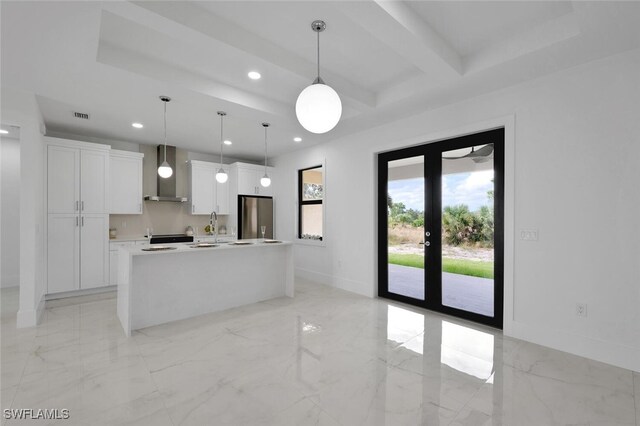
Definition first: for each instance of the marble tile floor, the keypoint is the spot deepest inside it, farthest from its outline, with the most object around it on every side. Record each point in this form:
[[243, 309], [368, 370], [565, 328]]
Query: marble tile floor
[[326, 357]]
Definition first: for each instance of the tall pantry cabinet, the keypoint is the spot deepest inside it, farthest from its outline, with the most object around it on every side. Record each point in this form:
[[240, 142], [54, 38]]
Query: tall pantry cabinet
[[77, 215]]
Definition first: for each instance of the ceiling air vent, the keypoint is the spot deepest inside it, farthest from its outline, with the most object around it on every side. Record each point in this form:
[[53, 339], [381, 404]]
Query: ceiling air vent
[[81, 115]]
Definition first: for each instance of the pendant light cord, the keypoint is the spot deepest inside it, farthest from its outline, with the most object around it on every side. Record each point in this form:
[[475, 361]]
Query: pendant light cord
[[318, 33], [165, 131], [265, 150], [221, 138]]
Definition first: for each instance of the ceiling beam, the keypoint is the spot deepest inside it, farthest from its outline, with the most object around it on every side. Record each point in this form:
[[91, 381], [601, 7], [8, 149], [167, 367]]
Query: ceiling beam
[[396, 25], [188, 21]]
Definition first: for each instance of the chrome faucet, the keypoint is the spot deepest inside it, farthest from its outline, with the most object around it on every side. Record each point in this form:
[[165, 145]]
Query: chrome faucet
[[213, 221]]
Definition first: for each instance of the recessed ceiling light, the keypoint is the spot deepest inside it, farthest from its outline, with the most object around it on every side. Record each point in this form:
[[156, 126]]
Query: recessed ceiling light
[[228, 142], [137, 125], [297, 139], [254, 75], [4, 132]]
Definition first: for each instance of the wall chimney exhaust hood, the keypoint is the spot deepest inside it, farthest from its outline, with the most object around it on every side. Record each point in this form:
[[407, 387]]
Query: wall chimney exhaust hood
[[166, 186]]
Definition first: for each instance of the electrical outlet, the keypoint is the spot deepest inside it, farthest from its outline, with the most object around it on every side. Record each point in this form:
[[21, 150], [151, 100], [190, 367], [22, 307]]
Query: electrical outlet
[[581, 309], [529, 234]]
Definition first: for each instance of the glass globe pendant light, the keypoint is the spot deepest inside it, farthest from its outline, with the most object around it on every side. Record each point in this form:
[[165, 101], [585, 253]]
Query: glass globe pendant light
[[266, 180], [165, 170], [318, 107], [221, 176]]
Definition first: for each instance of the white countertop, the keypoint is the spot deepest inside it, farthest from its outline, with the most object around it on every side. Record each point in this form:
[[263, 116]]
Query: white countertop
[[144, 238], [136, 250]]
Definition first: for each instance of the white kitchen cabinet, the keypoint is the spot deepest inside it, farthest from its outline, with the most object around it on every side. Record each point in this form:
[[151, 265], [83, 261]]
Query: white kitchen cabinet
[[63, 179], [249, 180], [202, 187], [78, 219], [125, 172], [94, 181], [206, 194], [94, 254], [77, 180], [63, 249]]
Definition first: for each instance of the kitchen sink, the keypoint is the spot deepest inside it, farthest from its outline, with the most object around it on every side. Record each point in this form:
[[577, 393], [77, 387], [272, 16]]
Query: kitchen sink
[[159, 248]]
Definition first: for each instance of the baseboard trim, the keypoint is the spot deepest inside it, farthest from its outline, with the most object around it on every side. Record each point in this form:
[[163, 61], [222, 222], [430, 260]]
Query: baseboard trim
[[610, 353], [332, 281], [85, 292], [314, 276]]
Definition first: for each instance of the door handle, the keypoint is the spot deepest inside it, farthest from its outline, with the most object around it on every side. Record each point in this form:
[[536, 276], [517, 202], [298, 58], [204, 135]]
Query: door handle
[[76, 205], [425, 243], [82, 220], [76, 220], [82, 205]]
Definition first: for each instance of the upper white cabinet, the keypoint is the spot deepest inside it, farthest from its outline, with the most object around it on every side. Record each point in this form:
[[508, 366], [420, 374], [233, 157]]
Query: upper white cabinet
[[205, 193], [94, 181], [248, 179], [77, 179], [63, 179], [202, 178], [78, 215], [125, 171]]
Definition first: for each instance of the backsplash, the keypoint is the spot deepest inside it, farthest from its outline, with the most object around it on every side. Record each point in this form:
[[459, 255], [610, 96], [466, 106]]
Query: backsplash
[[163, 218]]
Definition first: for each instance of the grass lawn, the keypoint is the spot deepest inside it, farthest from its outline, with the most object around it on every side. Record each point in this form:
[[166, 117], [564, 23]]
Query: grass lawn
[[455, 266]]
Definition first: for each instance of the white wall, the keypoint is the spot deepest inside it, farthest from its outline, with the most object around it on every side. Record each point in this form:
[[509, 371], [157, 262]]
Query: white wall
[[575, 171], [21, 109], [10, 216]]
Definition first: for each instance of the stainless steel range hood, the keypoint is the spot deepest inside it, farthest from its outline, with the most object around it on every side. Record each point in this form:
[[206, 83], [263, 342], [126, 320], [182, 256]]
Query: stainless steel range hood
[[166, 186]]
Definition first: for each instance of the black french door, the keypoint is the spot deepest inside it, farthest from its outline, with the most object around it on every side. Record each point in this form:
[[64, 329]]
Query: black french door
[[441, 226]]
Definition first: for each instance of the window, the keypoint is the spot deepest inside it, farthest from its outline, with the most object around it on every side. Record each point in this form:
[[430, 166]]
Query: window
[[310, 196]]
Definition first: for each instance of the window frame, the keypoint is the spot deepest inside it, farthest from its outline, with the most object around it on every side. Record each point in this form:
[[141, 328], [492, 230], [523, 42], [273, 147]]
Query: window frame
[[302, 202]]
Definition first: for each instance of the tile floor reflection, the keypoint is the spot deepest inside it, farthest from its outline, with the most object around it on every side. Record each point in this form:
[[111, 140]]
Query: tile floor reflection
[[325, 357]]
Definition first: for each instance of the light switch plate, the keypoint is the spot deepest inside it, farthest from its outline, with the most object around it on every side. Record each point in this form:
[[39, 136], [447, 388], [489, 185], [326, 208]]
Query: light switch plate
[[529, 234]]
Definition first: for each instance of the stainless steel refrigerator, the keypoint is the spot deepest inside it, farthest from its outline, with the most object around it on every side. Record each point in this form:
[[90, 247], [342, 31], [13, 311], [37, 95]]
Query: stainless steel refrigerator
[[254, 212]]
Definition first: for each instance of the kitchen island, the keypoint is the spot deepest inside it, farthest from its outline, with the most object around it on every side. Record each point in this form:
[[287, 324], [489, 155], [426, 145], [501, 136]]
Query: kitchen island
[[156, 287]]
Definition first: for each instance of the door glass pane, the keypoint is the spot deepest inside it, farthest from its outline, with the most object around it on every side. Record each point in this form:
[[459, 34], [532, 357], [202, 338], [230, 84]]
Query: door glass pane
[[468, 229], [405, 226]]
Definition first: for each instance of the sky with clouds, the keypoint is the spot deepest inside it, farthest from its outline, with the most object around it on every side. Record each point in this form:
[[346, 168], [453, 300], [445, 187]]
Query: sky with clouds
[[459, 188]]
